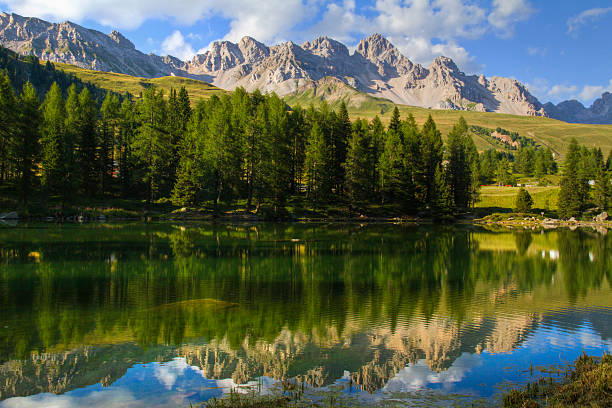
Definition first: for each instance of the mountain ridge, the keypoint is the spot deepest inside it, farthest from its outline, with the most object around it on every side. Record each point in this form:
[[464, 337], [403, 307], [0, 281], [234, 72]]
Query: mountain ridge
[[376, 68]]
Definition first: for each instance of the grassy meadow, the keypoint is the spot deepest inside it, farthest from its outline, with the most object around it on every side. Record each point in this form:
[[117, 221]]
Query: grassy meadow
[[503, 198]]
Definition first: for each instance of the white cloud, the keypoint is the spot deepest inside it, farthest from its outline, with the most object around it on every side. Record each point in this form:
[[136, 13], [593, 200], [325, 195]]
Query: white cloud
[[506, 13], [562, 91], [169, 372], [537, 51], [590, 92], [176, 46], [575, 22]]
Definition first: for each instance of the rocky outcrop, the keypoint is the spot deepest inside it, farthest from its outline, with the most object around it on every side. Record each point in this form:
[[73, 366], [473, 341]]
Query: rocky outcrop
[[600, 112]]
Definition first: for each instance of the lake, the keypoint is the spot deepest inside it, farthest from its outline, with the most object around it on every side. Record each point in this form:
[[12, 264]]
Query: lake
[[161, 314]]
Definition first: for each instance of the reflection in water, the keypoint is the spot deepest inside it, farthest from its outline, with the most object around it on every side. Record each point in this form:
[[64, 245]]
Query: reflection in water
[[384, 308]]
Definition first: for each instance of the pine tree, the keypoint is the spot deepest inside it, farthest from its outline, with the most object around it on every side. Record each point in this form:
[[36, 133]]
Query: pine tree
[[359, 162], [523, 202], [72, 136], [441, 203], [8, 110], [277, 166], [602, 191], [87, 142], [316, 165], [109, 140], [394, 170], [152, 144], [298, 129], [378, 145], [341, 134], [574, 184], [27, 142], [430, 151], [127, 123], [396, 122], [459, 164], [52, 141]]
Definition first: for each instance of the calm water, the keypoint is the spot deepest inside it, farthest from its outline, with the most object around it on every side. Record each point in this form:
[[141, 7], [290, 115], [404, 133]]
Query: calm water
[[114, 315]]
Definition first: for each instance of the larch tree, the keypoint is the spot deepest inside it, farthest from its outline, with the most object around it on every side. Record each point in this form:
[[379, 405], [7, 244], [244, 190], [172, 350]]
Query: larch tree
[[574, 184], [52, 140], [27, 142]]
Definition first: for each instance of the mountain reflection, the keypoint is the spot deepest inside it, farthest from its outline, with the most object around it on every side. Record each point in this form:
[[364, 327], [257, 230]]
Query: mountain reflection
[[80, 305]]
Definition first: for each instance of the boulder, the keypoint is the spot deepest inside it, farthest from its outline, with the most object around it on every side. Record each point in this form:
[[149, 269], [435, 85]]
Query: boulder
[[602, 217], [572, 220]]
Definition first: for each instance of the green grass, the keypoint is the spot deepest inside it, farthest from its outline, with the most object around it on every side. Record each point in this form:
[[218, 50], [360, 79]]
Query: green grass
[[122, 83], [587, 383], [547, 132], [503, 198]]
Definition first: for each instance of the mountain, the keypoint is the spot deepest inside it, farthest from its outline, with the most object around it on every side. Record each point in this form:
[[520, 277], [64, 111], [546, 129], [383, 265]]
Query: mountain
[[323, 68], [574, 112], [376, 67], [70, 43]]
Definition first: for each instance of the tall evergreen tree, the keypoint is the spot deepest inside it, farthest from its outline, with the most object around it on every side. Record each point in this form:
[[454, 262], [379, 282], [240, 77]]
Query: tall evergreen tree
[[394, 174], [128, 123], [87, 141], [341, 135], [7, 124], [459, 164], [277, 142], [27, 142], [396, 122], [71, 146], [152, 143], [109, 140], [359, 162], [574, 184], [298, 129], [430, 150], [316, 165], [441, 203], [53, 134], [602, 192]]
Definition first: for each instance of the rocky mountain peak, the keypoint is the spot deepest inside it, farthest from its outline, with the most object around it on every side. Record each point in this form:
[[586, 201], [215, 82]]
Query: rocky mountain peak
[[374, 46], [326, 47], [445, 63], [252, 50], [117, 37]]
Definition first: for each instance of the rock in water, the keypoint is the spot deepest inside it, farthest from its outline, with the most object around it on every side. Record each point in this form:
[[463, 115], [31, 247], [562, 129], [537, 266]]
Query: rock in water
[[602, 217]]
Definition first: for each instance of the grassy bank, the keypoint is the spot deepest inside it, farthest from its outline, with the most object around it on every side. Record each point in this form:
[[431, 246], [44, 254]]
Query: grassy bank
[[586, 383]]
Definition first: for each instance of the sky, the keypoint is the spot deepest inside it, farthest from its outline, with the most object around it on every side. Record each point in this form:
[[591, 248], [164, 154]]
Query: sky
[[561, 49]]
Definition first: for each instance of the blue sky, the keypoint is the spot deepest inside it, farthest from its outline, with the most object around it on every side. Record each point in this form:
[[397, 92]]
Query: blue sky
[[560, 49]]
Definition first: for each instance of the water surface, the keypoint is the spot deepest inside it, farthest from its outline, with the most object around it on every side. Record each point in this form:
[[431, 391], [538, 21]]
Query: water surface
[[114, 315]]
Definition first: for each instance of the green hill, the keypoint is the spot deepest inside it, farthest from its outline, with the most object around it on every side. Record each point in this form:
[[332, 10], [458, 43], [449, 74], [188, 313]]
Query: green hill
[[547, 132]]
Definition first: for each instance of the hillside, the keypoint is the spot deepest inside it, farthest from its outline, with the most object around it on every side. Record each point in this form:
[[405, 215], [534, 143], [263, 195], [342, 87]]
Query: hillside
[[545, 131], [122, 83]]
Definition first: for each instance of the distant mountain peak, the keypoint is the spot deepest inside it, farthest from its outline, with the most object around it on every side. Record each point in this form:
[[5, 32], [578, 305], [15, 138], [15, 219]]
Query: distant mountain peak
[[326, 47], [121, 40]]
